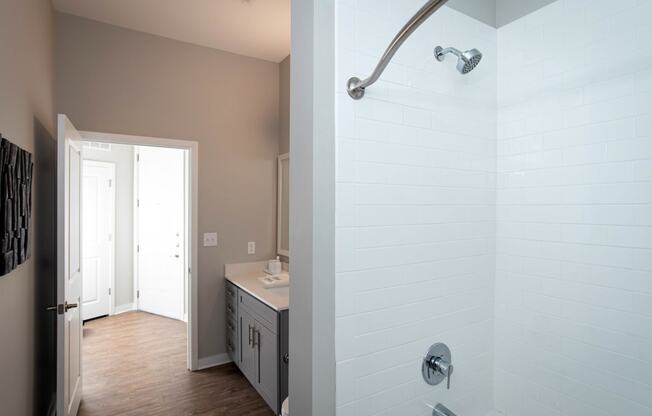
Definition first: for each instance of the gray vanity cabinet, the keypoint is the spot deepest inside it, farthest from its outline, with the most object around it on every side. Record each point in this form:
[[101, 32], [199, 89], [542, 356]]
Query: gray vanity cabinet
[[261, 345]]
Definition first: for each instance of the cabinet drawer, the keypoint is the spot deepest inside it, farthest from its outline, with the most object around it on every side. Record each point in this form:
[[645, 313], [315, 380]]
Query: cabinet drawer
[[232, 326], [231, 299], [268, 315], [231, 346]]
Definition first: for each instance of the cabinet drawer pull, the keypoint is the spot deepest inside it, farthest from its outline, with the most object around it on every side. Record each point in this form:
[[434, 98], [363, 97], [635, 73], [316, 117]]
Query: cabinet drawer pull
[[250, 335], [256, 334]]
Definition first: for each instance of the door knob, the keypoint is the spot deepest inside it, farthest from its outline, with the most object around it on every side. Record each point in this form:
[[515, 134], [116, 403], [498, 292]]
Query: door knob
[[61, 308], [54, 308]]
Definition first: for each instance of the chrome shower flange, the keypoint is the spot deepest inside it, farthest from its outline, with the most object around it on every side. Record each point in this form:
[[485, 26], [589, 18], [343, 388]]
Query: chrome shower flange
[[440, 56], [353, 89]]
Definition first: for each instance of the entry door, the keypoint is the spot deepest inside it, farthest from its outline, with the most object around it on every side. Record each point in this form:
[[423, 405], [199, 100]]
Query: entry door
[[160, 232], [69, 272], [98, 213]]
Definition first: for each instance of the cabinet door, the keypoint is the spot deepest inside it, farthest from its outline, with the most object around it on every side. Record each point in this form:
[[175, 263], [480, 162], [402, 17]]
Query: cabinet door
[[248, 360], [267, 368]]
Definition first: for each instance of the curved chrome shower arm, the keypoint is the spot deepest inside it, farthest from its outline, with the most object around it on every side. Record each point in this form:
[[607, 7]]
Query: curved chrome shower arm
[[357, 86], [439, 52]]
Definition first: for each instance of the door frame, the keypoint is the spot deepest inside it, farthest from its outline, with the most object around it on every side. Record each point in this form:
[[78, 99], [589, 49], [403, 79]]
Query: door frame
[[136, 235], [112, 258], [192, 225], [279, 206]]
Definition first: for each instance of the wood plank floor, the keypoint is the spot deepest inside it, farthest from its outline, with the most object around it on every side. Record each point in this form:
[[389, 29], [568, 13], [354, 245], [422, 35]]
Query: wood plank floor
[[135, 365]]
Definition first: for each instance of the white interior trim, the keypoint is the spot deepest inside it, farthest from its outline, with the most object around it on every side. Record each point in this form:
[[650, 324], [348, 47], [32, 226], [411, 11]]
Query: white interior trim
[[279, 205], [213, 361], [134, 227], [193, 149]]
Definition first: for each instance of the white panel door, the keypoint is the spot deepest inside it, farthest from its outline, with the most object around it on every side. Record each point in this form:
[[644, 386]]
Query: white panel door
[[98, 213], [69, 273], [160, 231]]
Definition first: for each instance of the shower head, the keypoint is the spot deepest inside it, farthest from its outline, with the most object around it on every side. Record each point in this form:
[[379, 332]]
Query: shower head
[[466, 61]]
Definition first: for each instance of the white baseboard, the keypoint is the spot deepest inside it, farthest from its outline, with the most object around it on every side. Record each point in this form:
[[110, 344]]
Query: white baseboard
[[123, 308], [213, 361]]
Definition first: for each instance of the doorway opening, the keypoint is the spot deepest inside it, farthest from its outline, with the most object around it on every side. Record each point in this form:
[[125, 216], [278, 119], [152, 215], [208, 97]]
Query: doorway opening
[[134, 232], [139, 216], [139, 210]]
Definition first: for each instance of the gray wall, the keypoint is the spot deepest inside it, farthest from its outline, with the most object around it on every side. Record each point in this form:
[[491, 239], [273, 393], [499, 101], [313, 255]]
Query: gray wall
[[123, 158], [483, 10], [284, 106], [121, 81], [27, 119], [497, 13], [509, 10]]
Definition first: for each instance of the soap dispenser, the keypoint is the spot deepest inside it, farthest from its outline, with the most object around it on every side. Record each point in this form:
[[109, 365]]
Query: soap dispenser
[[275, 266]]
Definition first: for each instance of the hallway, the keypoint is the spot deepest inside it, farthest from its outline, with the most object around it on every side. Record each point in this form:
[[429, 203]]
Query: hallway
[[135, 365]]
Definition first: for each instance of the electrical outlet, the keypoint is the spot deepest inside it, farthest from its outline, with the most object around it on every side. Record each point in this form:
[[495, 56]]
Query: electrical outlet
[[210, 239], [251, 247]]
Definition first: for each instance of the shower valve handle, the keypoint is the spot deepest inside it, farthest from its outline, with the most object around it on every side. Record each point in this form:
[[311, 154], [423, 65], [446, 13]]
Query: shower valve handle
[[437, 365], [442, 366]]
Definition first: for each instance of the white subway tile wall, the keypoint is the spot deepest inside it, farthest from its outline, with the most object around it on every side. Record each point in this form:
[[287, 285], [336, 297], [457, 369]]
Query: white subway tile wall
[[574, 211], [415, 241], [507, 213]]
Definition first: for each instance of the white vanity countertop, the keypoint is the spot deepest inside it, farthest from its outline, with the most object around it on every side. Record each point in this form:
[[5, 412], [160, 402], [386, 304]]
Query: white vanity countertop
[[246, 275]]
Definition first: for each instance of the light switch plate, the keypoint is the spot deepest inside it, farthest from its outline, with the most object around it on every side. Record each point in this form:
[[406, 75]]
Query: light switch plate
[[251, 247], [210, 239]]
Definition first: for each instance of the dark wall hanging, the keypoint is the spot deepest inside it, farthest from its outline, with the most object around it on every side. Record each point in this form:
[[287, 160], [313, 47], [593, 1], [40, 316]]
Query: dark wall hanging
[[15, 205]]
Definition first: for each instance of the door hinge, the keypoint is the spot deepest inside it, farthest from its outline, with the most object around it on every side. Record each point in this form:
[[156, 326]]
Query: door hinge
[[138, 294], [138, 203], [109, 291], [137, 248], [110, 183], [137, 157]]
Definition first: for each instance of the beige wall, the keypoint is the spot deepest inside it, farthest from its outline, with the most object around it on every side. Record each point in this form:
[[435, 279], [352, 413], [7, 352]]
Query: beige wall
[[284, 106], [121, 81], [27, 119]]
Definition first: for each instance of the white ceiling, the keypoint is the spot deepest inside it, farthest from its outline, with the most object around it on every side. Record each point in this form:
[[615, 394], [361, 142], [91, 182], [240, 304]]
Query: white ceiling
[[256, 28]]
